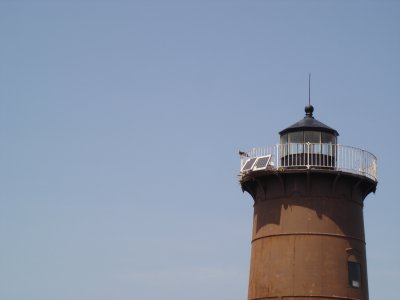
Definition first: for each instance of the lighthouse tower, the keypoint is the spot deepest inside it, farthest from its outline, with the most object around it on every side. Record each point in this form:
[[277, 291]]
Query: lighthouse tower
[[308, 238]]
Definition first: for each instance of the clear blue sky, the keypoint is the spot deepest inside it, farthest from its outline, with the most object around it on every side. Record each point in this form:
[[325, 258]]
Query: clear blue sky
[[120, 123]]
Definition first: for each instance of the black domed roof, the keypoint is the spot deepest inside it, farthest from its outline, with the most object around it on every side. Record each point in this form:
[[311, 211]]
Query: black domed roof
[[309, 123]]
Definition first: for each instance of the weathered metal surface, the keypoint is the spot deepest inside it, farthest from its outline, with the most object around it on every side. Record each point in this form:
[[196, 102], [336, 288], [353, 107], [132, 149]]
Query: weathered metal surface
[[307, 226]]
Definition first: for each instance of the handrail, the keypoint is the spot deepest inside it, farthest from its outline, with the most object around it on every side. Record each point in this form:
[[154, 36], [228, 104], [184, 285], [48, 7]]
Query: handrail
[[316, 156]]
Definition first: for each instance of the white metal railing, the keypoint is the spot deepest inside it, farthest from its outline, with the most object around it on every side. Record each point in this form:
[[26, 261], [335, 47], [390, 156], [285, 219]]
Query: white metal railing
[[317, 156]]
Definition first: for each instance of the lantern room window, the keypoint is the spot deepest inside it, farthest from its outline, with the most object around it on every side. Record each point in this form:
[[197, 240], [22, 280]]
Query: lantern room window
[[328, 138], [296, 137], [312, 137], [284, 139]]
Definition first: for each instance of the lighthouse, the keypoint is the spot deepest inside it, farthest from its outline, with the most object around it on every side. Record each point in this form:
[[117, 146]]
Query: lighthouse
[[308, 239]]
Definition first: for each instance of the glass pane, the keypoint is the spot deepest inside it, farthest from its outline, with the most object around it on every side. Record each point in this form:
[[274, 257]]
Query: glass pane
[[296, 137], [312, 137], [284, 139], [354, 274], [328, 138]]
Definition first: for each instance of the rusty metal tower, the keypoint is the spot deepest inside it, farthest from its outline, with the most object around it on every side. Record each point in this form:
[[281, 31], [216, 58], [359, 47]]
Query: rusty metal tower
[[308, 237]]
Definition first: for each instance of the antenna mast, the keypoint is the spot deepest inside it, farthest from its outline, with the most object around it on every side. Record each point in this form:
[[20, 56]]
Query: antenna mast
[[309, 89]]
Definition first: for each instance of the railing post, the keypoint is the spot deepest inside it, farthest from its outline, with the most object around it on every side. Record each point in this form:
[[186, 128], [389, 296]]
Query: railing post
[[363, 162], [277, 156], [336, 155]]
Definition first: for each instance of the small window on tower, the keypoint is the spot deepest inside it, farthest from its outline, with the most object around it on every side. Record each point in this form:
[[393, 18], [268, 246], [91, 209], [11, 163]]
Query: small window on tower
[[354, 274]]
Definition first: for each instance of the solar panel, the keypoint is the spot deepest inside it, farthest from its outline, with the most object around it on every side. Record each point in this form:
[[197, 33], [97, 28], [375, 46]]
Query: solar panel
[[249, 164], [261, 163]]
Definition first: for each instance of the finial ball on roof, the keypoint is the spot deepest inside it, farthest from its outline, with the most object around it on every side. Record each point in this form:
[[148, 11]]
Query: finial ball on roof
[[309, 110]]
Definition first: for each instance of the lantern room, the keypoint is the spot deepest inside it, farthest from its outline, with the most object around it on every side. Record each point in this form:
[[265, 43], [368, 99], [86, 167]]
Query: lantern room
[[308, 130]]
